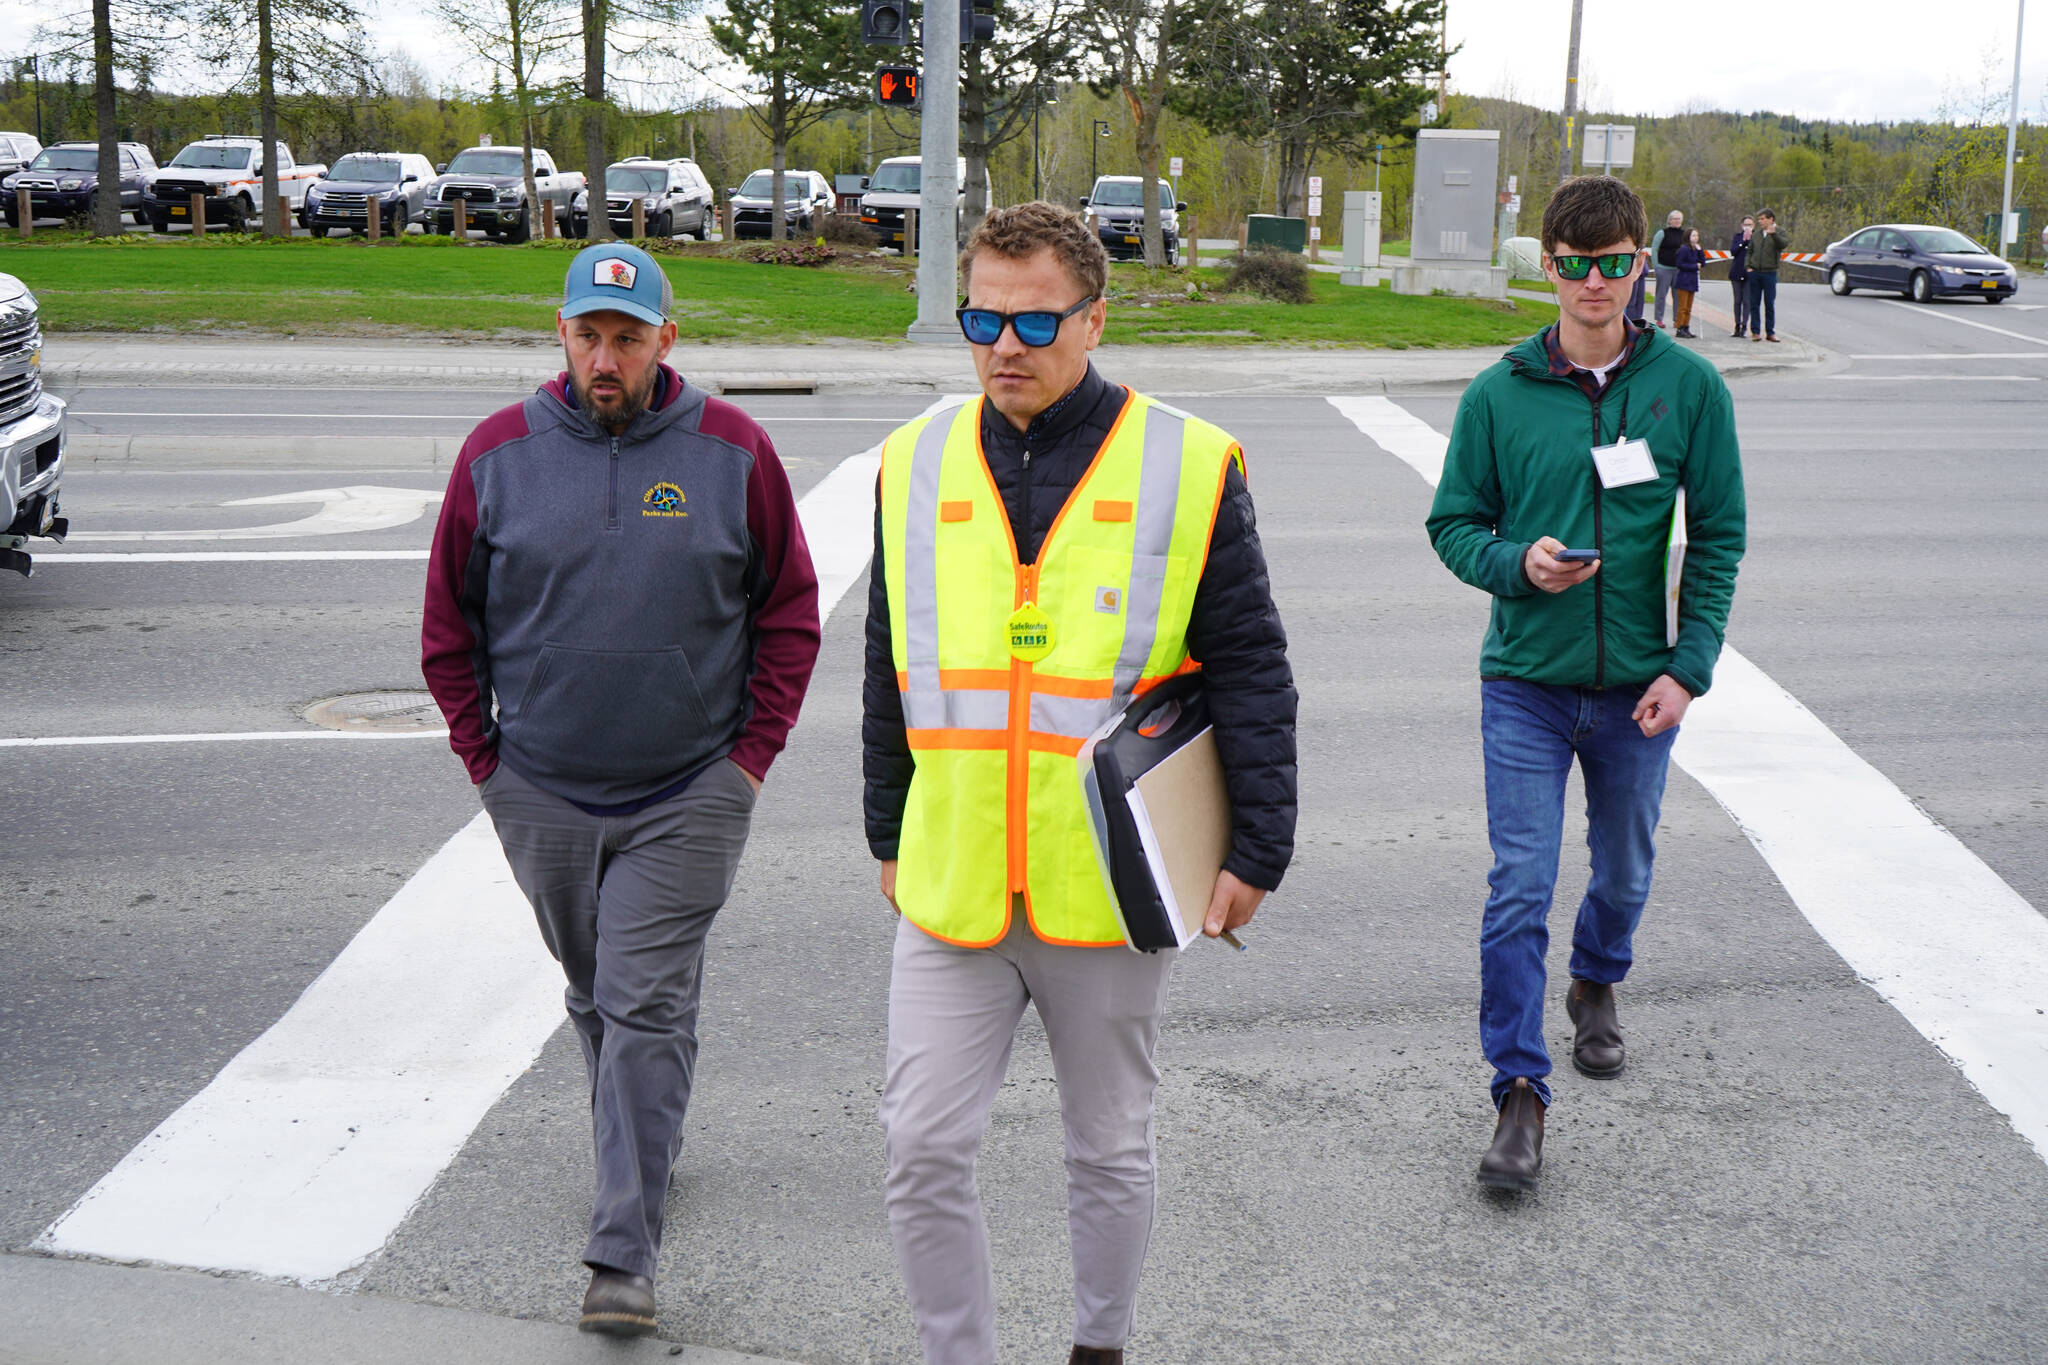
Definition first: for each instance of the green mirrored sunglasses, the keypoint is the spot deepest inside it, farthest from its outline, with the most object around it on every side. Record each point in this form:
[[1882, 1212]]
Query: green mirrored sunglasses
[[1614, 266]]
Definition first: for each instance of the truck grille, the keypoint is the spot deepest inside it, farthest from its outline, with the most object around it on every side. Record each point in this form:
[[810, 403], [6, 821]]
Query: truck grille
[[27, 184], [21, 383], [353, 203], [182, 189], [475, 194]]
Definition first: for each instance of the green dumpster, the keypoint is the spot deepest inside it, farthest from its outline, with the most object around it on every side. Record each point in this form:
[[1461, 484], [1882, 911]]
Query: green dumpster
[[1266, 229], [2019, 244]]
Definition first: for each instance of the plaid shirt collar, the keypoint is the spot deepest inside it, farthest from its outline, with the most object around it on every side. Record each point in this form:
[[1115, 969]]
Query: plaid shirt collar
[[1563, 368]]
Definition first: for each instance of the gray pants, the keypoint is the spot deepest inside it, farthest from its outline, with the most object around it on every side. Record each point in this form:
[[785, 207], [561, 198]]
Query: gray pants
[[624, 903], [1667, 281], [952, 1015]]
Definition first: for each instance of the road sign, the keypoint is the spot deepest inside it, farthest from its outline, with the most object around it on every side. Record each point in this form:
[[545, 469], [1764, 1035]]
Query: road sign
[[1512, 186], [1610, 145], [1173, 167], [896, 85], [1315, 206], [1315, 187]]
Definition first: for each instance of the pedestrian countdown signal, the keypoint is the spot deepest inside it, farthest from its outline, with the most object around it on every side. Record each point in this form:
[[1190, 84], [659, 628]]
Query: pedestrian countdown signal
[[896, 85]]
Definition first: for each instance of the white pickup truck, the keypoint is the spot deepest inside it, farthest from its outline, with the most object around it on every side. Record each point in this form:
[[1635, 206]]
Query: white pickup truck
[[229, 172], [31, 432], [490, 183]]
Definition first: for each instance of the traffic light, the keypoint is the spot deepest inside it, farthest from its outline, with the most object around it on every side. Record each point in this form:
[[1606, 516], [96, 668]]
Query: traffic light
[[977, 21], [896, 85], [881, 21]]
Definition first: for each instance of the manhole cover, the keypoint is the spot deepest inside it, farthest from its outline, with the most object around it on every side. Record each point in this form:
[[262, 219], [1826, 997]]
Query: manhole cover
[[395, 711]]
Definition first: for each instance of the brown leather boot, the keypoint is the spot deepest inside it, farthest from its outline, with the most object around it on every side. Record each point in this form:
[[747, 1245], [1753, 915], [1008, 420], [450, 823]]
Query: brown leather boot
[[1596, 1046], [1096, 1355], [618, 1305], [1516, 1155]]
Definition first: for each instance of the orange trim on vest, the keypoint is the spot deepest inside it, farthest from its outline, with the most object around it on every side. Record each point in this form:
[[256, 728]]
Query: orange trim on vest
[[963, 510], [1110, 509], [958, 739]]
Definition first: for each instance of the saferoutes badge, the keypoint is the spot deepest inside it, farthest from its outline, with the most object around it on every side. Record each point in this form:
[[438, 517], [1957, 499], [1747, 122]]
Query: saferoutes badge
[[614, 271], [1108, 601]]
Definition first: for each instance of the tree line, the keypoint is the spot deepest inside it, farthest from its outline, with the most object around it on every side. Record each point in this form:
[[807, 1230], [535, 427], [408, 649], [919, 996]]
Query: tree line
[[1254, 96]]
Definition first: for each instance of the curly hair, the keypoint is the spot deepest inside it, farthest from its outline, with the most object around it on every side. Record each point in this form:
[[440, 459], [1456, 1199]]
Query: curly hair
[[1024, 230], [1593, 211]]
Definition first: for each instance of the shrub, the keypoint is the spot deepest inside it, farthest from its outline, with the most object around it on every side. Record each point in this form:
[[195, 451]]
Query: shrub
[[783, 253], [1270, 273], [843, 229]]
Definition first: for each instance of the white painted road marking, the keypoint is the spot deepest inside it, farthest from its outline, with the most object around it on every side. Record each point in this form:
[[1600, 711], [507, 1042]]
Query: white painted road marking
[[1945, 378], [214, 556], [216, 737], [1958, 355], [267, 415], [359, 507], [302, 1157], [1924, 310], [1906, 904]]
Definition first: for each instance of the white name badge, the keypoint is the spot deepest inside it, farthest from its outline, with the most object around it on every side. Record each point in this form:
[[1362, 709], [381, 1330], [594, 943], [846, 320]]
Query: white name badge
[[1624, 463]]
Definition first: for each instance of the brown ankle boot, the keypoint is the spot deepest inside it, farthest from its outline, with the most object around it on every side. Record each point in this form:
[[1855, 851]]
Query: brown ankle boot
[[1516, 1155], [1596, 1040], [1096, 1355]]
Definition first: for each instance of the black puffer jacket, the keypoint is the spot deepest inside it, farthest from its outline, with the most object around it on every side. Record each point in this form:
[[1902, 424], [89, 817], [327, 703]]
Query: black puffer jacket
[[1235, 632]]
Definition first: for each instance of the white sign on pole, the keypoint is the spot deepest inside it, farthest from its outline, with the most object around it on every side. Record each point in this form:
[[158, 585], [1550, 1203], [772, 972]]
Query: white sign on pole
[[1315, 206], [1512, 186], [2012, 230], [1514, 200], [1173, 167], [1315, 234], [1610, 145], [1315, 187]]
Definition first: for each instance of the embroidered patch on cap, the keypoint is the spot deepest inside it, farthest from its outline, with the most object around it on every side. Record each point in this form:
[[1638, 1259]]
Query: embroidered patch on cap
[[612, 270]]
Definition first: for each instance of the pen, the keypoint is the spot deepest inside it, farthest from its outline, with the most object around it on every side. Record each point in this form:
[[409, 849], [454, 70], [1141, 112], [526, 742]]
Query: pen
[[1231, 939]]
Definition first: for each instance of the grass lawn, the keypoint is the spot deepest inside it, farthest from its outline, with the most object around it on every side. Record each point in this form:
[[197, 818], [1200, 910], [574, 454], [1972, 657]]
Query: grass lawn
[[434, 286]]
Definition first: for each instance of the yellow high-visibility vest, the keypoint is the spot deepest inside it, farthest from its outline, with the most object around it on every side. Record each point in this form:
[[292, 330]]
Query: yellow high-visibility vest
[[1006, 668]]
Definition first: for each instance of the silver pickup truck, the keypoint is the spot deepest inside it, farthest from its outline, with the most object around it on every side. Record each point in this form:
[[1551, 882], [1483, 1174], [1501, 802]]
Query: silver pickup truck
[[490, 182], [31, 431]]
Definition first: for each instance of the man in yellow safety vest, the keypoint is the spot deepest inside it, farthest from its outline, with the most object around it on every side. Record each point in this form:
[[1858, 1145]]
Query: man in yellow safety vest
[[1042, 555]]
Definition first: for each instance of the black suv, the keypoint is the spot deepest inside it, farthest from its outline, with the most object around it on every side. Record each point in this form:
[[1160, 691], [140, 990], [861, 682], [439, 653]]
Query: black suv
[[677, 196], [63, 180]]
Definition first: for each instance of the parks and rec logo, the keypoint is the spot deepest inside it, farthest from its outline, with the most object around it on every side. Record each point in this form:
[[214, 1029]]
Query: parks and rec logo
[[663, 500]]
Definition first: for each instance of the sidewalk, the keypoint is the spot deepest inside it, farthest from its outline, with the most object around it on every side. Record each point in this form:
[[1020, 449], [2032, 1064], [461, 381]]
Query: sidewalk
[[55, 1312]]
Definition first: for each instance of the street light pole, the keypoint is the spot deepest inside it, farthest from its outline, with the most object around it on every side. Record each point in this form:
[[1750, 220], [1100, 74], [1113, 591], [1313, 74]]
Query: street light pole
[[1101, 130], [1571, 94], [35, 68], [939, 170], [2012, 130]]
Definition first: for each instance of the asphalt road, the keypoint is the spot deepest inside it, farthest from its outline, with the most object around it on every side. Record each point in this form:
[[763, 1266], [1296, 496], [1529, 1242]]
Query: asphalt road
[[1787, 1172]]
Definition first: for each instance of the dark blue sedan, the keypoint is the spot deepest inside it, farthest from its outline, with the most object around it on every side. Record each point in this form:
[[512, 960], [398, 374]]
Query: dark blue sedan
[[1918, 261]]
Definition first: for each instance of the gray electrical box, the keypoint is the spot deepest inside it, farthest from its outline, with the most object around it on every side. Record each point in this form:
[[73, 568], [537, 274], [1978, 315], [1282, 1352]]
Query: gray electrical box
[[1457, 174]]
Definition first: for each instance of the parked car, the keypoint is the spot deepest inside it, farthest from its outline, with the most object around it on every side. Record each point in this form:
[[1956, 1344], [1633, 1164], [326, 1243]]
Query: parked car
[[677, 196], [1118, 204], [805, 195], [229, 172], [17, 150], [396, 181], [897, 184], [31, 432], [1917, 260], [491, 183], [63, 180]]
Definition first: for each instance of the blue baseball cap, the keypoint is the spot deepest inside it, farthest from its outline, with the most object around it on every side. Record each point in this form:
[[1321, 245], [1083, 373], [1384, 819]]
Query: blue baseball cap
[[618, 277]]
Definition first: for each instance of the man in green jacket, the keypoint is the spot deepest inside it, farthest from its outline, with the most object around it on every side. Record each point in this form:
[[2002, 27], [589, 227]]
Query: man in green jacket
[[1766, 252], [1571, 461]]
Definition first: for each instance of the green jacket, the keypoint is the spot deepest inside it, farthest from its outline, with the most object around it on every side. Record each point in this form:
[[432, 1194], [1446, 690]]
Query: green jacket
[[1766, 249], [1520, 467]]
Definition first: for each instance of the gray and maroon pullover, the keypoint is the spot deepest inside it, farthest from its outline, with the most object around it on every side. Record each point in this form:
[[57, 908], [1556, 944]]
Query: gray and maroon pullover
[[608, 615]]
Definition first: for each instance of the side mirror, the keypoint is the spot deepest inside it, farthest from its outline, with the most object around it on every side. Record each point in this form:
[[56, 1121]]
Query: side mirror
[[863, 182], [440, 168], [1180, 206], [1082, 201], [409, 179], [730, 191]]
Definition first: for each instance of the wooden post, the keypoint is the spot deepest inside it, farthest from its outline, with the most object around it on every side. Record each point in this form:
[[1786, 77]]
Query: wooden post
[[1190, 241], [547, 221], [461, 228], [1244, 237], [24, 212], [639, 219], [373, 215], [909, 233], [199, 215]]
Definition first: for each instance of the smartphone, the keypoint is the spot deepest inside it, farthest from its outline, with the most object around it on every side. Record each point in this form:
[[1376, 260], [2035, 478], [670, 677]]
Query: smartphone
[[1575, 556]]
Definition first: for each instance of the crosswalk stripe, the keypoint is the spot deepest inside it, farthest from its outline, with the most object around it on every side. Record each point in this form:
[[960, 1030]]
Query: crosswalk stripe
[[1918, 916], [302, 1157]]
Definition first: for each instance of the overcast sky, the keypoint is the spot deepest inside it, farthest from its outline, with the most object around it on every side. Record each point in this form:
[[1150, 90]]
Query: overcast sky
[[1857, 60]]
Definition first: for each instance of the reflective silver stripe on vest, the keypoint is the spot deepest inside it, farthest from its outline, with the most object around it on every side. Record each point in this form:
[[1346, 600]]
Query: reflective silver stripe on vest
[[960, 709], [1073, 717], [1158, 501], [922, 695]]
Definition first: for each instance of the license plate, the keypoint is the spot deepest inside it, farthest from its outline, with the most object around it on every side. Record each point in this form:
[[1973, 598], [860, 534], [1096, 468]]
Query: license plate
[[1991, 284], [1130, 241], [178, 212]]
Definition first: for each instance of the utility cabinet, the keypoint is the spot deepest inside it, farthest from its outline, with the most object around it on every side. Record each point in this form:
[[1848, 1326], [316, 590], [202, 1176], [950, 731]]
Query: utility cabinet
[[1457, 174]]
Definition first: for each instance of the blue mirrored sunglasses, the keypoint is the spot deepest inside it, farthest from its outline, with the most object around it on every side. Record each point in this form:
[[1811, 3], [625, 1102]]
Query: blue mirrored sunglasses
[[983, 325]]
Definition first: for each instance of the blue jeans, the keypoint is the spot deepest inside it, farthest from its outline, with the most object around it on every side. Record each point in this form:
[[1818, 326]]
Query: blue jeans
[[1530, 733], [1763, 303]]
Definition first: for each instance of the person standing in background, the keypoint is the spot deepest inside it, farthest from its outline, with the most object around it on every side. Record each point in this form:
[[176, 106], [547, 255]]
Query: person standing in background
[[1765, 251], [1664, 257], [1738, 271], [1690, 258]]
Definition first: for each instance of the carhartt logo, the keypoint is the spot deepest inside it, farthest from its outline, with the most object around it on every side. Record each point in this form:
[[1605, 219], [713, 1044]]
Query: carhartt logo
[[663, 500], [1658, 411], [1108, 601], [614, 271]]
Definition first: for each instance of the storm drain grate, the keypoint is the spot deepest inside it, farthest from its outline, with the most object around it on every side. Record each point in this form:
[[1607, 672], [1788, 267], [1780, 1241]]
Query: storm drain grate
[[396, 711]]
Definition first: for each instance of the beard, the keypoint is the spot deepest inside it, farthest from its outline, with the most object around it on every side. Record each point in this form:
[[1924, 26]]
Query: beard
[[618, 412]]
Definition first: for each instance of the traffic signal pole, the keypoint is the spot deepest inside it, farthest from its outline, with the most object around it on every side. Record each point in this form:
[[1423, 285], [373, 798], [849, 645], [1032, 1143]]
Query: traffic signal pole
[[939, 197]]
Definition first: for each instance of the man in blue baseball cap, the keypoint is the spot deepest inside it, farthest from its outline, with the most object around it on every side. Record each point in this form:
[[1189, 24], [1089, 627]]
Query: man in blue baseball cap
[[621, 619]]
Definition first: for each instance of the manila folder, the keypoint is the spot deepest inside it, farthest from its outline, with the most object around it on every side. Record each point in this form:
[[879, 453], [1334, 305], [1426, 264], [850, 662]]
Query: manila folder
[[1181, 803]]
